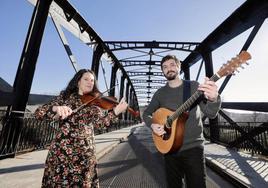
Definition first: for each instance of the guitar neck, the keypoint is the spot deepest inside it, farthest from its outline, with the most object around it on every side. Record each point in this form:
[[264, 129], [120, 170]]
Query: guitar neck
[[187, 104]]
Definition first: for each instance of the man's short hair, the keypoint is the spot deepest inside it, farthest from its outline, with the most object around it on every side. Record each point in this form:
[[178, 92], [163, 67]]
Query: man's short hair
[[168, 57]]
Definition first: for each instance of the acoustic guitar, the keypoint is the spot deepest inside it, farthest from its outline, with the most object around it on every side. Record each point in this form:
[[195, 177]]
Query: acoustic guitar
[[174, 122]]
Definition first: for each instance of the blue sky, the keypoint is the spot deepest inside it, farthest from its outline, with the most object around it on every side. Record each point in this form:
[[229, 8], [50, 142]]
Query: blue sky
[[146, 20]]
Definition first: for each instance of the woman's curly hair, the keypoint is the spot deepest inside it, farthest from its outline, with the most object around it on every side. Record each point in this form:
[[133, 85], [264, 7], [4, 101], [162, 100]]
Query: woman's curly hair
[[72, 87]]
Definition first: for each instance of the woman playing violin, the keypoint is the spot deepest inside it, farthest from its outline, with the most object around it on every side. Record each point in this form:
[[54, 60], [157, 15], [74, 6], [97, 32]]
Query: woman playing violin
[[71, 160]]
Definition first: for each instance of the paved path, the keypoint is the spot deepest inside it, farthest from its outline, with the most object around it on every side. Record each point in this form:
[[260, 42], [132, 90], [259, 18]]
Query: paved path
[[252, 171]]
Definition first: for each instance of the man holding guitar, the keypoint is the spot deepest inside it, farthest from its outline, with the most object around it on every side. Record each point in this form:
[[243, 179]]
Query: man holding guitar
[[186, 159]]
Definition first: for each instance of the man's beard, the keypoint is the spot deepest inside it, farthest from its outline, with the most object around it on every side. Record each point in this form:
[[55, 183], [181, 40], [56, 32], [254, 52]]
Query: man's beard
[[171, 77]]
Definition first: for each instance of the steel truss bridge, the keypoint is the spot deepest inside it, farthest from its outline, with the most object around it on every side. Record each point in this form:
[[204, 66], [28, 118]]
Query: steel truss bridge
[[137, 61]]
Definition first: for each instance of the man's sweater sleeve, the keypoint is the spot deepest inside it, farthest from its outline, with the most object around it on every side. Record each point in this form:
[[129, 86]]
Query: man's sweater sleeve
[[211, 109], [152, 107]]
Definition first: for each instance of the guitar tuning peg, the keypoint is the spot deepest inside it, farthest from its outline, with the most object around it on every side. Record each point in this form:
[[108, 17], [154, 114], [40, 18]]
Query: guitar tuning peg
[[242, 67], [237, 71], [233, 74], [247, 63]]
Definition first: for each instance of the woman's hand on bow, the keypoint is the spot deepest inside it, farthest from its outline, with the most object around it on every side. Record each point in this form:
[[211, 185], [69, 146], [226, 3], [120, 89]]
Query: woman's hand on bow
[[62, 111]]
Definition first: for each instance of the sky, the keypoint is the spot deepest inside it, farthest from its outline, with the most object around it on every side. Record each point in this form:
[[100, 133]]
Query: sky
[[139, 20]]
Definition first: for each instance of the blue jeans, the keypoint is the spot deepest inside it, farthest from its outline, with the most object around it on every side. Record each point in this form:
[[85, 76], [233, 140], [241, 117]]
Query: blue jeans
[[188, 164]]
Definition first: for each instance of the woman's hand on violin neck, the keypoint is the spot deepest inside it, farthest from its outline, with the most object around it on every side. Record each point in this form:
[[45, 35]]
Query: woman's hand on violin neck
[[62, 111], [121, 107]]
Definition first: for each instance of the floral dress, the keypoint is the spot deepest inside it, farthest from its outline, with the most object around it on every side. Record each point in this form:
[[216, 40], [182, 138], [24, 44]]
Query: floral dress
[[71, 160]]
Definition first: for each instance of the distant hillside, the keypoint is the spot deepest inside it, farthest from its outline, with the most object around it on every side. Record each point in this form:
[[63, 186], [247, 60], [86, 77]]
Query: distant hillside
[[246, 117], [7, 97], [4, 86]]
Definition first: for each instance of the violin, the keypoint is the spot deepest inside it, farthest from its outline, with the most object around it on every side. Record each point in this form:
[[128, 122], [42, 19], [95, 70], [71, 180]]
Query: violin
[[104, 102]]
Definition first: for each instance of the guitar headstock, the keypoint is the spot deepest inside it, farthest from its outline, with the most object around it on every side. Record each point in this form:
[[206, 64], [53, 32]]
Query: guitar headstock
[[234, 63]]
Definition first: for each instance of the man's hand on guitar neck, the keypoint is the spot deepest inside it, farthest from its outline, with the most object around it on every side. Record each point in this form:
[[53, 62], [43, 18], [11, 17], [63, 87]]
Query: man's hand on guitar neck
[[158, 129], [210, 90]]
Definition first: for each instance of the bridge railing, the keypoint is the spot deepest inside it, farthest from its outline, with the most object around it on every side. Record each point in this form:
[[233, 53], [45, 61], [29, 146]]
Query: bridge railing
[[247, 136], [37, 134]]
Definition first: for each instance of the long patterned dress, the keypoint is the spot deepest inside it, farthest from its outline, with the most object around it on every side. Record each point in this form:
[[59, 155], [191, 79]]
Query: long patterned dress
[[71, 160]]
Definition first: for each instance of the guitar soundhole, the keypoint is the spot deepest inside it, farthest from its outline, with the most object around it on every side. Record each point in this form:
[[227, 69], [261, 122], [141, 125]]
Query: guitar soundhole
[[167, 128], [166, 136]]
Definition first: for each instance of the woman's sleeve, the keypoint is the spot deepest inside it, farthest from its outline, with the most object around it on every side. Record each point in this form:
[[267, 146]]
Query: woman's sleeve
[[45, 111], [111, 117], [108, 117]]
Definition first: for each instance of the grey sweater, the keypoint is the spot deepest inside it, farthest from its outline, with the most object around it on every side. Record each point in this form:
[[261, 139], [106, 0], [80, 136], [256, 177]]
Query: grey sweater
[[172, 98]]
